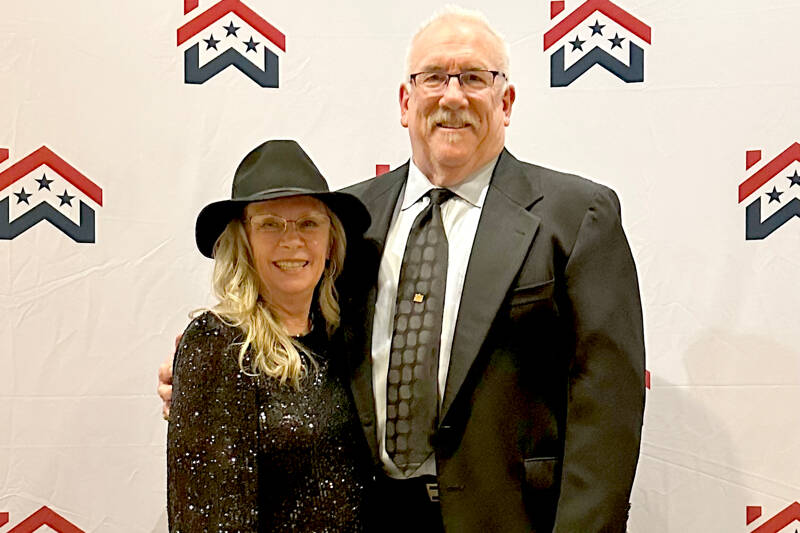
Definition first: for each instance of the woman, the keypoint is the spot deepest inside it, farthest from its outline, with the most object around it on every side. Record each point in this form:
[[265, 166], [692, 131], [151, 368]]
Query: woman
[[263, 434]]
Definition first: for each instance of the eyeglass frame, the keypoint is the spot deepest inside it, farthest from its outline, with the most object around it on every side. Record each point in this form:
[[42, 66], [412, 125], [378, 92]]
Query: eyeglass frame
[[494, 73], [286, 222]]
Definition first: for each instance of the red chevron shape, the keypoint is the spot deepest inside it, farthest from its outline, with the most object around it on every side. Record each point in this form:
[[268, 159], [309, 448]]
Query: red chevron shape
[[217, 11], [780, 520], [607, 8], [3, 519], [190, 5], [45, 517], [769, 171], [46, 156], [3, 154]]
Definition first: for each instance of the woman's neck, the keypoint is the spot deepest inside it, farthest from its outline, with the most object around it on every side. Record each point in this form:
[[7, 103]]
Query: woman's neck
[[294, 316]]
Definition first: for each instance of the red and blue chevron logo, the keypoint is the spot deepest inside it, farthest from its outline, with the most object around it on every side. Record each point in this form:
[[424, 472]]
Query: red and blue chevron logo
[[29, 194], [591, 26], [773, 190], [229, 34]]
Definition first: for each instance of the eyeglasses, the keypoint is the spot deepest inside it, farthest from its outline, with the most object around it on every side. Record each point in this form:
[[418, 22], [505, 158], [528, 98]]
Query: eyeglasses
[[470, 80], [274, 225]]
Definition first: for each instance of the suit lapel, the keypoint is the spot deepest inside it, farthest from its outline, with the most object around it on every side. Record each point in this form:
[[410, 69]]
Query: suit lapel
[[381, 201], [380, 198], [505, 232]]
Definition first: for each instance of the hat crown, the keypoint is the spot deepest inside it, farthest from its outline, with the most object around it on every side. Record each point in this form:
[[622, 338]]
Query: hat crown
[[276, 165]]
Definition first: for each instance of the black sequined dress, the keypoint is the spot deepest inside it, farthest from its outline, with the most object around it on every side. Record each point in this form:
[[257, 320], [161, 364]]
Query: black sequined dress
[[249, 454]]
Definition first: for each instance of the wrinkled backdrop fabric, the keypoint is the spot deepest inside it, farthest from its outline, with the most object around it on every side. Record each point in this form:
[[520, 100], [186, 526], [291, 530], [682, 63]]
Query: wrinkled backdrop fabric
[[101, 85]]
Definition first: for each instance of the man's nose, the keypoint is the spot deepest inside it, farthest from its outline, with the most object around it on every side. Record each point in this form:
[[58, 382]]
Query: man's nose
[[453, 95]]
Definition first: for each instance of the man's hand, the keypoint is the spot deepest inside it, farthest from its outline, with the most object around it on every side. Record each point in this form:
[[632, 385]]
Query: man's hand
[[165, 381]]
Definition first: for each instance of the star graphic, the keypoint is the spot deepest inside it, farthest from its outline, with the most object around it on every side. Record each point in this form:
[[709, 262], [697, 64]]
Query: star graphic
[[65, 199], [231, 29], [44, 183], [211, 43], [774, 196], [251, 45], [795, 179], [23, 196], [577, 44], [616, 41], [597, 28]]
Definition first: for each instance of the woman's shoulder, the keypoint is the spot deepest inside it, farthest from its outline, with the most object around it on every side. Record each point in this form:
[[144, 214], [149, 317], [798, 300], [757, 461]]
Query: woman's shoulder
[[205, 338], [208, 324]]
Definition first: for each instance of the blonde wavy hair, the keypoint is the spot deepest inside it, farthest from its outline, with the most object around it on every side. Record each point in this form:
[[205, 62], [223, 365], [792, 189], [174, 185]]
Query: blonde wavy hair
[[273, 352]]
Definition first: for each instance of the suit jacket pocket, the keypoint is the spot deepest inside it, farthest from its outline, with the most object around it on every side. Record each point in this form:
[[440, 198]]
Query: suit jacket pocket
[[540, 472], [540, 492], [524, 299], [531, 293]]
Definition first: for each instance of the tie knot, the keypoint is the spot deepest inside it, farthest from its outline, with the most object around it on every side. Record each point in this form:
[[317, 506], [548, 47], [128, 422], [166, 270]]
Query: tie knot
[[440, 196]]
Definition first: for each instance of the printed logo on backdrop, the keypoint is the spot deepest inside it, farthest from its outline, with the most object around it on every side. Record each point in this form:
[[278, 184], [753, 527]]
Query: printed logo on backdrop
[[42, 186], [773, 191], [226, 34], [779, 522], [598, 32], [43, 517]]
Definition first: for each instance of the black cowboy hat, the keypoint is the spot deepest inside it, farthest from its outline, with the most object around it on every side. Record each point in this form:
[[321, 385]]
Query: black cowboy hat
[[276, 169]]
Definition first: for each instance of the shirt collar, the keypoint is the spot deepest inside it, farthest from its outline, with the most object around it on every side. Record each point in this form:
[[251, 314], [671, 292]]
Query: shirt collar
[[470, 190]]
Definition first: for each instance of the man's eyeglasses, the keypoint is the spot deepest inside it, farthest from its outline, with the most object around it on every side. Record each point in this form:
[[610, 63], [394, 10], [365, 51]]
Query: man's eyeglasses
[[310, 225], [470, 80]]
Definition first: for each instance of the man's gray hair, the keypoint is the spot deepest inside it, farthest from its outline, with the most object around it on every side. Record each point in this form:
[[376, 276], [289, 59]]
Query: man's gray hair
[[455, 12]]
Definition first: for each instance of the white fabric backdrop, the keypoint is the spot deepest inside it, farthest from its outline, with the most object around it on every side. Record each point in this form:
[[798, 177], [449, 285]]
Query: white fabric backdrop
[[84, 326]]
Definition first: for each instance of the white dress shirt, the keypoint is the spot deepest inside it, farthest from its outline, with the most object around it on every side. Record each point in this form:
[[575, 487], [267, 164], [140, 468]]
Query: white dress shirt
[[460, 215]]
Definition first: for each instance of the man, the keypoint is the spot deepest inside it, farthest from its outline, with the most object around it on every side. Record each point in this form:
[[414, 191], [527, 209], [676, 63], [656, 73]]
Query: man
[[540, 354]]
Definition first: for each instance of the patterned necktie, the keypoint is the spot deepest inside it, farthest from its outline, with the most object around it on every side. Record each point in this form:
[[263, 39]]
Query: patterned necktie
[[412, 399]]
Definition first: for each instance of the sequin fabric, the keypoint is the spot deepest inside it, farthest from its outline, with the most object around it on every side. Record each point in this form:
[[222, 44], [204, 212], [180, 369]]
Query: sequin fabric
[[249, 454]]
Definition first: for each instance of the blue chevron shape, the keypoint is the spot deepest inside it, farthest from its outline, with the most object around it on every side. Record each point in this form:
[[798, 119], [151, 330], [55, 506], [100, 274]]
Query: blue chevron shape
[[83, 232], [559, 77], [755, 229], [194, 73]]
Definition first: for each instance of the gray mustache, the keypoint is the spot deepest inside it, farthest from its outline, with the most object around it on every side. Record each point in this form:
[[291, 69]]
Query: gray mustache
[[452, 117]]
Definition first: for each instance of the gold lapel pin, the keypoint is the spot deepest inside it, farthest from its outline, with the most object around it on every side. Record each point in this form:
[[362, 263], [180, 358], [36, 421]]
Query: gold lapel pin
[[418, 297]]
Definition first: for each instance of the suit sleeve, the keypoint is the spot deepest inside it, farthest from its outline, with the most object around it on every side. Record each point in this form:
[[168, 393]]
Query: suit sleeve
[[606, 378], [211, 470]]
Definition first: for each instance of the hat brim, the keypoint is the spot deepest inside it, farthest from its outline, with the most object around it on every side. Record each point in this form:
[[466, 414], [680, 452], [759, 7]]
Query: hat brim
[[214, 217]]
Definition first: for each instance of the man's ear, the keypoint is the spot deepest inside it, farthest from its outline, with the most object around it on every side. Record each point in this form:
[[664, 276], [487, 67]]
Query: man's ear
[[509, 96], [405, 94]]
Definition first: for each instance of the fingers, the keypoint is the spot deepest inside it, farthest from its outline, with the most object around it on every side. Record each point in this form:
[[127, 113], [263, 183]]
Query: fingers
[[165, 388], [165, 372], [165, 383], [165, 392]]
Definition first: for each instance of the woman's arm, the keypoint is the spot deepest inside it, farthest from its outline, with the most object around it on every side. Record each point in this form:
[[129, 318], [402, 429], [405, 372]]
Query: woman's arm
[[212, 444]]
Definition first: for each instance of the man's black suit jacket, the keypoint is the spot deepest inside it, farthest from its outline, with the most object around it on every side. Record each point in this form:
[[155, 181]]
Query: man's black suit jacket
[[542, 411]]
